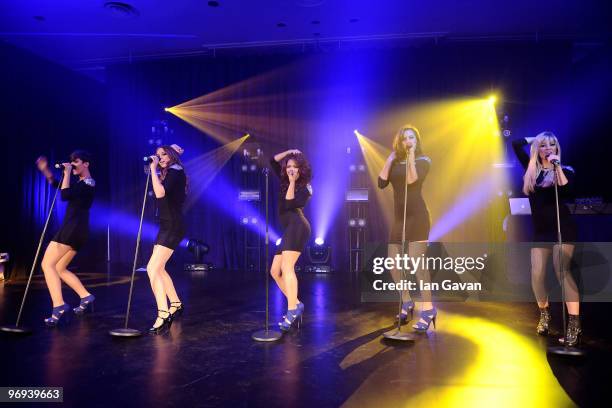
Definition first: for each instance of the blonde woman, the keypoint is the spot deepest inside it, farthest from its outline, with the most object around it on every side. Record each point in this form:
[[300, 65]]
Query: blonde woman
[[542, 170]]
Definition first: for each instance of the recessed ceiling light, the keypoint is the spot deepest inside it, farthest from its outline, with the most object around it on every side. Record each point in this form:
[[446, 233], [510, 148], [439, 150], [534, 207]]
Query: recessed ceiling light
[[281, 25], [213, 3], [121, 10], [309, 3]]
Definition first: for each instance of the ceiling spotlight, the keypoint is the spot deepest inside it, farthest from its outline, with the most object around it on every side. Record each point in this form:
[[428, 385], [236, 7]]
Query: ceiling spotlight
[[352, 222], [278, 241], [319, 241]]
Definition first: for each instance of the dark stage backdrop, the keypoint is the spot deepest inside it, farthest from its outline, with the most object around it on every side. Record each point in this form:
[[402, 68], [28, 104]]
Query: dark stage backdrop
[[314, 102], [45, 109]]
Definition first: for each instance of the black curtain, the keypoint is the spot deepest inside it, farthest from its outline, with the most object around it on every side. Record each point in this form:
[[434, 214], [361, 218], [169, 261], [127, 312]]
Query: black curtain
[[46, 109], [314, 100]]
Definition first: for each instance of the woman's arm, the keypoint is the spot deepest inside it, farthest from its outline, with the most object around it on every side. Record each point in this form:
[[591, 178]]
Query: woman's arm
[[290, 195], [383, 176], [158, 187], [519, 151], [562, 179], [292, 176], [280, 156], [43, 165], [301, 197], [412, 174]]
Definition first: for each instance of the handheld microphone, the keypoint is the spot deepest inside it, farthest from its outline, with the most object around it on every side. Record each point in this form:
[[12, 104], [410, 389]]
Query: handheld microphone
[[554, 162], [147, 159], [59, 165]]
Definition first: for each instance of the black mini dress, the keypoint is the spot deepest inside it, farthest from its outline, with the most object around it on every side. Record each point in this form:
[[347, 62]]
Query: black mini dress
[[75, 227], [296, 228], [542, 201], [171, 223], [418, 221]]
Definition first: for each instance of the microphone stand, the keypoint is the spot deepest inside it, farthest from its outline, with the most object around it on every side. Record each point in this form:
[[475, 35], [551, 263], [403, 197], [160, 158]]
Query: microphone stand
[[125, 331], [397, 334], [562, 350], [267, 335], [23, 330]]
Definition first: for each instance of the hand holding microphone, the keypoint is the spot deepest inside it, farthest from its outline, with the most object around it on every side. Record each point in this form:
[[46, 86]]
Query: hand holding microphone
[[153, 162], [553, 159], [67, 167], [292, 175]]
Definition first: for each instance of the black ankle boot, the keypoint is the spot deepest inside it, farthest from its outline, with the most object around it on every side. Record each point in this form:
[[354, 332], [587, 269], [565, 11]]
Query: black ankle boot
[[544, 321], [573, 332]]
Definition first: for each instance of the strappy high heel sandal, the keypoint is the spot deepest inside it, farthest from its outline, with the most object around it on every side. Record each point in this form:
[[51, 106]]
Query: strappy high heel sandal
[[292, 318], [57, 313], [407, 307], [166, 322], [86, 303], [179, 310], [428, 317]]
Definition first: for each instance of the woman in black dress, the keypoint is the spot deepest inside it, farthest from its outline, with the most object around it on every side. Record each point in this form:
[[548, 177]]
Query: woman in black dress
[[71, 236], [294, 172], [406, 169], [170, 187], [542, 170]]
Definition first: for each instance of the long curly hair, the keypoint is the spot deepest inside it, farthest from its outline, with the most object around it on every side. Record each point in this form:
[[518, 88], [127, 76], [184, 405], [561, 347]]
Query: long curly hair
[[303, 166], [535, 162], [398, 146], [175, 158]]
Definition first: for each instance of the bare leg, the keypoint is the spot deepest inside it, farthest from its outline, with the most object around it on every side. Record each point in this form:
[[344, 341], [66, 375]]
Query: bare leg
[[68, 277], [169, 289], [416, 249], [288, 274], [539, 257], [571, 290], [277, 274], [275, 271], [155, 267], [54, 252]]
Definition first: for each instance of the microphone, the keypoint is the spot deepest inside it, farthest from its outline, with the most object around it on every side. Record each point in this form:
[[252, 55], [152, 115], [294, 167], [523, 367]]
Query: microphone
[[147, 159], [554, 162], [59, 165]]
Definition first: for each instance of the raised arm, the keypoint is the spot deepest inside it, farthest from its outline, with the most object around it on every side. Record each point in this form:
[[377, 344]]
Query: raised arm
[[280, 156], [519, 150]]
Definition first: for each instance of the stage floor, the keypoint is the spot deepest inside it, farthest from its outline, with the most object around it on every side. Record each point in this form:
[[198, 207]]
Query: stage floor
[[480, 354]]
